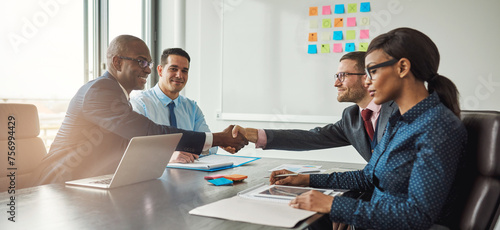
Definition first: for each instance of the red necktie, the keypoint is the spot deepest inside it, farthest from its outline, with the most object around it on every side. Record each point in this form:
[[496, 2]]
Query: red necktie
[[367, 114]]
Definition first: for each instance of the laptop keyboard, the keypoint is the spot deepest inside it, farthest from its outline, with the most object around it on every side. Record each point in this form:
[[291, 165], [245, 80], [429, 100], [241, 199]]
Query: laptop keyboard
[[105, 181]]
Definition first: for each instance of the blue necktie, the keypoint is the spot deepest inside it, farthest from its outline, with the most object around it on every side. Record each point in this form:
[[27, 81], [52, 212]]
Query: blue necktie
[[173, 120]]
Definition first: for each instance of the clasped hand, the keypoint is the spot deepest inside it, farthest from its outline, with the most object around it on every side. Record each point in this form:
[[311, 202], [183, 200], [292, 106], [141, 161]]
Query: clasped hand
[[228, 141]]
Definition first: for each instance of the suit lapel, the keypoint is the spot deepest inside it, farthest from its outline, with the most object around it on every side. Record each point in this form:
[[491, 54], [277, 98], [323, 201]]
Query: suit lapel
[[387, 109]]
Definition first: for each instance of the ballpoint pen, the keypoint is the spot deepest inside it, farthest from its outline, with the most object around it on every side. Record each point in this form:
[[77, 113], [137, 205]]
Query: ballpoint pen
[[284, 175]]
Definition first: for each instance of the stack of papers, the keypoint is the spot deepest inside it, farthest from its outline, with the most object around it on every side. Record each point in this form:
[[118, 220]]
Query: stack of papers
[[214, 162]]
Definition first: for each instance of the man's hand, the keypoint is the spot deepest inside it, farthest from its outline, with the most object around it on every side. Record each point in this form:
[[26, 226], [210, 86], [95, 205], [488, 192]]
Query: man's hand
[[225, 140], [313, 201], [250, 134], [183, 157], [299, 180]]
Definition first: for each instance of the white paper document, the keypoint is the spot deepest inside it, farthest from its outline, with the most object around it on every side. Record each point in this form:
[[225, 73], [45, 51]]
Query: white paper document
[[262, 204], [253, 211]]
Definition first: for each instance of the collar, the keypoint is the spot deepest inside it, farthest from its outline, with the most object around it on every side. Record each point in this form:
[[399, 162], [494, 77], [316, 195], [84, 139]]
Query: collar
[[165, 100], [416, 111], [372, 106], [108, 74]]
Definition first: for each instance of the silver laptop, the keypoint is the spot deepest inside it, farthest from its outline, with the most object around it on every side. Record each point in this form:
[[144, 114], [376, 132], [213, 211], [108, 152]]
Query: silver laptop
[[144, 159]]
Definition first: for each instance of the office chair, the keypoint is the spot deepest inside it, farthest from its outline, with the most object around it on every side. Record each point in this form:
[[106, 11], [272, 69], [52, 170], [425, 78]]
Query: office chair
[[21, 150], [481, 179]]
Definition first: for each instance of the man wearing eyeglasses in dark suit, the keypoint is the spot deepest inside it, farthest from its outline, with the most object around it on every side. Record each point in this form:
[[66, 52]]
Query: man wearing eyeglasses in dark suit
[[100, 121], [352, 129], [362, 125]]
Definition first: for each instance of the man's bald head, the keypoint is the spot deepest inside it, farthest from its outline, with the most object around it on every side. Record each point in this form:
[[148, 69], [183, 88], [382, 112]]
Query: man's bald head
[[120, 46]]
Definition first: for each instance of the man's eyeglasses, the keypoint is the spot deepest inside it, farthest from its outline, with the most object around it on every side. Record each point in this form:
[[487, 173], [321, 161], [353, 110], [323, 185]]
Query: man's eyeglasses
[[383, 64], [142, 63], [341, 76]]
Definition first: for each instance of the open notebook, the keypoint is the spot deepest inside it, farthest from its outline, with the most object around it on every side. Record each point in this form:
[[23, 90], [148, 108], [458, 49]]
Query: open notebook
[[144, 159], [214, 162]]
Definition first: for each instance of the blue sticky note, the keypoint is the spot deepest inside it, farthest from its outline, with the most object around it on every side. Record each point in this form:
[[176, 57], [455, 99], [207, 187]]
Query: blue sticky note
[[221, 181], [339, 9], [349, 47], [337, 35], [365, 7], [312, 49]]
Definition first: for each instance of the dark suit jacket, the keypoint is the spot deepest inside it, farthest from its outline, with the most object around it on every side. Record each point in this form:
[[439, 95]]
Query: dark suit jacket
[[349, 130], [96, 130]]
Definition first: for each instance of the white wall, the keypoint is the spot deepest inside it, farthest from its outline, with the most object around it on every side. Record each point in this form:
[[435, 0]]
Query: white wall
[[465, 32]]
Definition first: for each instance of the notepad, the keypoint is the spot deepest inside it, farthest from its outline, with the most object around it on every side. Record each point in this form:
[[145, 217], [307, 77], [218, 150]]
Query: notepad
[[214, 162]]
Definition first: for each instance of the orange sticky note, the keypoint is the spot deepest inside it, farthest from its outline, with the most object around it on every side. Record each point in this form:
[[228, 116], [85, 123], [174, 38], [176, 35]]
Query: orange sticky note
[[313, 37], [339, 22], [313, 11]]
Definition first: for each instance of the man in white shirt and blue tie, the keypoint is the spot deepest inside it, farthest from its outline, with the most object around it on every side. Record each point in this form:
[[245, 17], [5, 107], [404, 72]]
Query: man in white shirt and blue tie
[[159, 102]]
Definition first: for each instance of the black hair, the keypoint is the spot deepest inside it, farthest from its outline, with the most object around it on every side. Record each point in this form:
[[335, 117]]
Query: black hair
[[424, 57], [173, 51]]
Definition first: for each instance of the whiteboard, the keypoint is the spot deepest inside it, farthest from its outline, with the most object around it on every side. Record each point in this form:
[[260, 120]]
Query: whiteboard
[[268, 74]]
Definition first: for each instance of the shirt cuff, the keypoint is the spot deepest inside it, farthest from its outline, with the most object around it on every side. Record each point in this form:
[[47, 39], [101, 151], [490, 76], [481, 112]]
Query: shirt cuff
[[261, 139], [209, 139]]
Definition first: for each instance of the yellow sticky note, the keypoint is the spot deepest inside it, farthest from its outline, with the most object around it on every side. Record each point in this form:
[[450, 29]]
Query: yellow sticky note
[[365, 21], [313, 11], [313, 37], [327, 23], [363, 46], [339, 22], [325, 48], [325, 36], [350, 35], [313, 24]]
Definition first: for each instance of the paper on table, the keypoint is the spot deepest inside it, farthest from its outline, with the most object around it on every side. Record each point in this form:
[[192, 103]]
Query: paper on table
[[253, 211]]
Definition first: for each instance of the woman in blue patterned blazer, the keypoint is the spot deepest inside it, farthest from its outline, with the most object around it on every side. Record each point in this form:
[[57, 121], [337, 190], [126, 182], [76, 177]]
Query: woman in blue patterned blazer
[[412, 170]]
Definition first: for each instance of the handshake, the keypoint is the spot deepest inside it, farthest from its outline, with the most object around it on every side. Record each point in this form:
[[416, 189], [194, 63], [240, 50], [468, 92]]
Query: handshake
[[234, 137]]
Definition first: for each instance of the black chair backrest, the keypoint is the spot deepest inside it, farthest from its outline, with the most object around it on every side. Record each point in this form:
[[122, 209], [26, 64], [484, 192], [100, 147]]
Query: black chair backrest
[[480, 176]]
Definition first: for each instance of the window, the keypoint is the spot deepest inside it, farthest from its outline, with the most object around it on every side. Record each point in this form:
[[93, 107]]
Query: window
[[50, 48], [42, 57]]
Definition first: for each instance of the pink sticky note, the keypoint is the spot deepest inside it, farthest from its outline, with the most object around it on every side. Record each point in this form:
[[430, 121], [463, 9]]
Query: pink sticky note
[[351, 22], [337, 48], [327, 10], [364, 34]]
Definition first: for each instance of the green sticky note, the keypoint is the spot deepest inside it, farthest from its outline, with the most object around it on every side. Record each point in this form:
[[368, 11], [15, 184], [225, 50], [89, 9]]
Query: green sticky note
[[363, 46], [327, 23], [325, 48], [350, 35], [352, 8]]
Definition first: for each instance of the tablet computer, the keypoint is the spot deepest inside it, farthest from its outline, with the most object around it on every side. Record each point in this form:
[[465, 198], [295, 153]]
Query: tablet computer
[[287, 192]]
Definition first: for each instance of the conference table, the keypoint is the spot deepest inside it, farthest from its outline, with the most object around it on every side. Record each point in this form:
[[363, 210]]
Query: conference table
[[163, 203]]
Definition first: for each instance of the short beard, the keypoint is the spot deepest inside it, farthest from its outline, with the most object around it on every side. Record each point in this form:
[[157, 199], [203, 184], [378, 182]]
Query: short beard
[[354, 94]]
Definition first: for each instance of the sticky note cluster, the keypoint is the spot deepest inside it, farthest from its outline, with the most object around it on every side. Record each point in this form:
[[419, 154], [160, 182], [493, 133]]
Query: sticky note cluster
[[338, 28]]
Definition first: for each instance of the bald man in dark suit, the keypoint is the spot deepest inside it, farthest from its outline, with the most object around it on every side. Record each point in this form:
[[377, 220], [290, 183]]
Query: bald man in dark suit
[[100, 121]]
